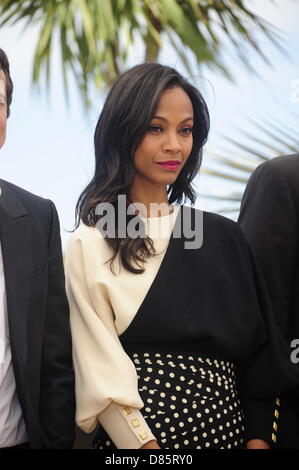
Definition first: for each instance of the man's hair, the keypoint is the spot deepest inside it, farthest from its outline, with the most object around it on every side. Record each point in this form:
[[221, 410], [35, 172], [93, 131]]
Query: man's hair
[[4, 65]]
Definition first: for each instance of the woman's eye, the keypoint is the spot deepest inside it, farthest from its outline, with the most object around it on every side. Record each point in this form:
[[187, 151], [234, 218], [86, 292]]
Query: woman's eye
[[154, 129], [186, 130]]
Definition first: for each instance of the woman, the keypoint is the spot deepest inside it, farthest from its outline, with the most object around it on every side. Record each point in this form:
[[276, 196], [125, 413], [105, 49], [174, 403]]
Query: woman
[[174, 341]]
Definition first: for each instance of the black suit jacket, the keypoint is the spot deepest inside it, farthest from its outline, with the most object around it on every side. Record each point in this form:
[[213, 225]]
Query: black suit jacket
[[269, 217], [38, 316]]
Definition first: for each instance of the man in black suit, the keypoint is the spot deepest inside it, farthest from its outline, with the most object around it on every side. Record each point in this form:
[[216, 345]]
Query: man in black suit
[[36, 375], [269, 217]]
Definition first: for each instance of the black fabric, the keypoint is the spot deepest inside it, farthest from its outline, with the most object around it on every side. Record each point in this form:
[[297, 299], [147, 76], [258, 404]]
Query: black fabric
[[269, 217], [190, 401], [38, 316], [214, 296], [25, 445]]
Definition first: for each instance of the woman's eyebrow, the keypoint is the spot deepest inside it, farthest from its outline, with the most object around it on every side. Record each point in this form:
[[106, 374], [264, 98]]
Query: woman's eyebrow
[[163, 119]]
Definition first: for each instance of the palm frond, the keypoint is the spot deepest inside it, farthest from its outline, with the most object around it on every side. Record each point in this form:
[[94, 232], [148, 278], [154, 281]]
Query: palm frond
[[96, 36], [282, 139]]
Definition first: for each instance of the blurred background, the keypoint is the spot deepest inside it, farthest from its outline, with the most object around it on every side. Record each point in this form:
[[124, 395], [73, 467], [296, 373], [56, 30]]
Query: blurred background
[[64, 56]]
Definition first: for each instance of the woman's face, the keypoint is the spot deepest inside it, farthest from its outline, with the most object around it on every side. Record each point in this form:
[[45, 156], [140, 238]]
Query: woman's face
[[168, 139]]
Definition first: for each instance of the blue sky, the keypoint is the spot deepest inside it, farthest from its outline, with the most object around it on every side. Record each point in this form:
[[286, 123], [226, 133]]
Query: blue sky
[[49, 147]]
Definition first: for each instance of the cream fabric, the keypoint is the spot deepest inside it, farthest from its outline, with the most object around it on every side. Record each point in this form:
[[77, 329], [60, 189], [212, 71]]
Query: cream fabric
[[102, 307]]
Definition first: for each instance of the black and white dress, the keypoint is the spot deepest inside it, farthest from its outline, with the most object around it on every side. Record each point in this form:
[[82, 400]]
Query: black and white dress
[[187, 353]]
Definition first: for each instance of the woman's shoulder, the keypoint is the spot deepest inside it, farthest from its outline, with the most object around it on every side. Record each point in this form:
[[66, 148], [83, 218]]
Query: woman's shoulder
[[86, 237], [219, 229], [213, 221]]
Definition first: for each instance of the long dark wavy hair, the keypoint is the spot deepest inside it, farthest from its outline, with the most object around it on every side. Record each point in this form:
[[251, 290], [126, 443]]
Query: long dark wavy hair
[[122, 124]]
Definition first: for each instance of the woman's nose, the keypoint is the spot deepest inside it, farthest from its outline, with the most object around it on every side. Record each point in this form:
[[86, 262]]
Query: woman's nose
[[172, 143]]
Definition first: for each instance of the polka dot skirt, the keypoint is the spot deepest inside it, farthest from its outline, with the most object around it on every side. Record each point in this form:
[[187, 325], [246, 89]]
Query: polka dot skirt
[[190, 401]]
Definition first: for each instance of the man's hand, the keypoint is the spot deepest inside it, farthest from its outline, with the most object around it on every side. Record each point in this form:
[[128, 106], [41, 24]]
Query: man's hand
[[151, 445], [257, 444]]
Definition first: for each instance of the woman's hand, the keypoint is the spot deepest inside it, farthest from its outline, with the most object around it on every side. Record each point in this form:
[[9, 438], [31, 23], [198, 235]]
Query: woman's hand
[[151, 445], [257, 444]]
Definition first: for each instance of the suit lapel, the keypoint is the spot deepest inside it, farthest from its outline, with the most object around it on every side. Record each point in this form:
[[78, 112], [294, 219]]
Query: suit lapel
[[15, 232]]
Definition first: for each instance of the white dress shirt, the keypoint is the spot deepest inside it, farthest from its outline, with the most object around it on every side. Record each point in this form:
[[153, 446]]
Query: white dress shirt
[[12, 425]]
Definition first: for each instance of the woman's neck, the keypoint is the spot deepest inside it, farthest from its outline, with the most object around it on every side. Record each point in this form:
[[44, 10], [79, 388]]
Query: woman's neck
[[154, 203]]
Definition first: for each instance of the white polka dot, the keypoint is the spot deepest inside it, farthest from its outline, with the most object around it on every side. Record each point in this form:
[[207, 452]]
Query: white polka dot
[[176, 446], [157, 381], [167, 385], [173, 397], [186, 442], [176, 415], [167, 420], [172, 429], [161, 403], [181, 424], [207, 444], [204, 434], [207, 410], [158, 425], [216, 441], [190, 420]]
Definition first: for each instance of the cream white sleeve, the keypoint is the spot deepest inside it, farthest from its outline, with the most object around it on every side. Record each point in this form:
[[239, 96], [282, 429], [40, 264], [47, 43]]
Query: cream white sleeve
[[106, 378]]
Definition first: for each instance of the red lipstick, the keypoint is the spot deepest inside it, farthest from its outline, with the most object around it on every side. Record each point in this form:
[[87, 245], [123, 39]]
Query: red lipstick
[[170, 164]]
